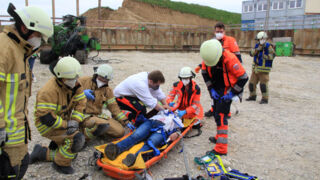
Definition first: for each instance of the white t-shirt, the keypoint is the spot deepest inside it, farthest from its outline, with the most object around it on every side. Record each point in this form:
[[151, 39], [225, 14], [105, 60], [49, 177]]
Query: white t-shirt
[[137, 86]]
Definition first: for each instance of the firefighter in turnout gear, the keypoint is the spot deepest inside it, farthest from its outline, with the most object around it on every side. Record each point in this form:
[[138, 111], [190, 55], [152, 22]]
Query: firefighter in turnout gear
[[18, 43], [99, 94], [58, 112], [185, 96], [263, 55], [225, 78]]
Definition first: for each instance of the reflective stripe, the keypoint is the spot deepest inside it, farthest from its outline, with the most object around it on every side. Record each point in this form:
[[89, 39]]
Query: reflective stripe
[[120, 116], [47, 106], [78, 115], [237, 88], [43, 129], [11, 98], [208, 83], [196, 102], [89, 133], [19, 131], [2, 76], [16, 137], [52, 154], [58, 123], [109, 101], [64, 150], [222, 131], [245, 76], [222, 140], [79, 97]]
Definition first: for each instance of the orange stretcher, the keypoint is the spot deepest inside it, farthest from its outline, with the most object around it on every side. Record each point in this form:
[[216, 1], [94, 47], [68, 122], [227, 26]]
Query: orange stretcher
[[121, 174]]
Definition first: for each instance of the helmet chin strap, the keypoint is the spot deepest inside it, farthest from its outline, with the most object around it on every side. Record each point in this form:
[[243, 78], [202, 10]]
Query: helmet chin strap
[[24, 36]]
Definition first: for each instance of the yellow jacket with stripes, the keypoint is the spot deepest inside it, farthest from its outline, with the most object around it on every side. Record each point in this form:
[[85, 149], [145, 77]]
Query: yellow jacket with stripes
[[103, 96], [60, 103], [15, 86]]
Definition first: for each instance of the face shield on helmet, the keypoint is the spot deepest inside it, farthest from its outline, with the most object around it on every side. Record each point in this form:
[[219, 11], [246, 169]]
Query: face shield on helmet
[[211, 52], [68, 68]]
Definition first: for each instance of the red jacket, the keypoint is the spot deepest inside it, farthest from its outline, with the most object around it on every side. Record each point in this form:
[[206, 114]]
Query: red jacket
[[234, 75], [230, 44], [188, 100]]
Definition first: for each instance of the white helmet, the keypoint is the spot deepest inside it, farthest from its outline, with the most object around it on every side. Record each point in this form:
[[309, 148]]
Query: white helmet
[[262, 35], [186, 72], [105, 71], [36, 19], [67, 67], [211, 51]]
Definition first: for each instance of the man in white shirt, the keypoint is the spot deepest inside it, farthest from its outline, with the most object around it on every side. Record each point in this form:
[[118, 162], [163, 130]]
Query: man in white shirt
[[140, 91]]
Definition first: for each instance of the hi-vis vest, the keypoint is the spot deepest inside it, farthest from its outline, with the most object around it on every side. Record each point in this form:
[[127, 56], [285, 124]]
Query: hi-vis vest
[[262, 64], [15, 86]]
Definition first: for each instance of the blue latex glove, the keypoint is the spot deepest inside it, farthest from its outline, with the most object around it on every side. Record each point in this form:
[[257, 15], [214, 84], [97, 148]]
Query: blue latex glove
[[181, 113], [131, 127], [228, 96], [89, 94], [156, 152], [171, 104], [214, 94]]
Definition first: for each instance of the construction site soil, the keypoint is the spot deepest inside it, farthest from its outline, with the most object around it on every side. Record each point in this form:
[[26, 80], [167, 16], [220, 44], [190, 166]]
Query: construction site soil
[[279, 140], [134, 11]]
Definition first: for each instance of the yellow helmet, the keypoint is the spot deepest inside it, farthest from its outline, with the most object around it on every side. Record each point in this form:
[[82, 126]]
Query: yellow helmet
[[262, 35], [211, 51], [36, 19], [105, 71], [186, 72], [67, 67]]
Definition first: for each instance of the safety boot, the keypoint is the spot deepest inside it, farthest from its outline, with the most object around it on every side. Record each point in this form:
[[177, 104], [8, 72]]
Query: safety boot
[[39, 153], [63, 169], [213, 140], [209, 113], [216, 153], [251, 98], [112, 151], [129, 160], [101, 129], [264, 101]]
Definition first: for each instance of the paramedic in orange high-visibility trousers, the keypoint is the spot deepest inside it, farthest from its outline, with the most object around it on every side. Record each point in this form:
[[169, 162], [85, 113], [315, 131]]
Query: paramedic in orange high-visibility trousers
[[225, 78]]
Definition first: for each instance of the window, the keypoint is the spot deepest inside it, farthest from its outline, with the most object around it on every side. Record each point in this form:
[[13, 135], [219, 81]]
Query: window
[[281, 6], [250, 8], [265, 7], [292, 4], [275, 5], [245, 9], [299, 4], [260, 7], [295, 4]]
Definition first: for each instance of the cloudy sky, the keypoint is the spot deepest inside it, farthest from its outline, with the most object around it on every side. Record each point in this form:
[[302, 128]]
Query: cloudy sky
[[69, 6]]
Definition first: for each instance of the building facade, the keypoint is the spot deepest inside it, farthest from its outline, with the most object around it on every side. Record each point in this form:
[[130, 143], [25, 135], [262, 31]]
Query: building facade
[[283, 14]]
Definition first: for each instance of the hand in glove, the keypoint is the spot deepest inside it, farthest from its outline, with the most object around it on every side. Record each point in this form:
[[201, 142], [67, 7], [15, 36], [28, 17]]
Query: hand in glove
[[214, 94], [228, 96], [171, 104], [130, 126], [72, 126], [260, 48], [3, 136], [89, 94], [182, 113]]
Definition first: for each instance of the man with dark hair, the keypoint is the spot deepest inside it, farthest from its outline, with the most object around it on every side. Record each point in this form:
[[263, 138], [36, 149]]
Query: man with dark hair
[[140, 91]]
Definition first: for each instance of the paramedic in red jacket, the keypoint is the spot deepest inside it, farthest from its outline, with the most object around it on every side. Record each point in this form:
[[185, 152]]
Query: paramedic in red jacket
[[225, 78], [185, 96]]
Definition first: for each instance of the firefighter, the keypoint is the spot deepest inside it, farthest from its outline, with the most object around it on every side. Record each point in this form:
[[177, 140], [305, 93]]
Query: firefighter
[[185, 96], [99, 93], [59, 110], [228, 43], [225, 78], [18, 43], [140, 91], [263, 55]]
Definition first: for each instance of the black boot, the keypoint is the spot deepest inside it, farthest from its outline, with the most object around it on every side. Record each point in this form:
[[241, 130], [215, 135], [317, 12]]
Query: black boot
[[264, 101], [101, 129], [63, 169], [39, 153], [112, 151], [213, 140], [129, 160], [251, 98], [216, 153], [209, 113]]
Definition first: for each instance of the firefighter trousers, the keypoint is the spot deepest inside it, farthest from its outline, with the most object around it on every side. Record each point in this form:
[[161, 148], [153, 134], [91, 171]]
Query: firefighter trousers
[[263, 78]]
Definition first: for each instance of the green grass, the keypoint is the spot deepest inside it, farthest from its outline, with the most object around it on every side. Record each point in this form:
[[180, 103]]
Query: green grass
[[202, 11]]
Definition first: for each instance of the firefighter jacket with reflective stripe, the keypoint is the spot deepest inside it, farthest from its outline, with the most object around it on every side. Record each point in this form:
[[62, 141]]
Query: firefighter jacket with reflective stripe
[[15, 85], [57, 103], [230, 44], [103, 95], [234, 75], [186, 98], [263, 59]]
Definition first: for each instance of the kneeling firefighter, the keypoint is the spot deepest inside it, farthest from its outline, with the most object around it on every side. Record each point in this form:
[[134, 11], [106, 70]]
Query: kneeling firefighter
[[99, 93], [58, 112]]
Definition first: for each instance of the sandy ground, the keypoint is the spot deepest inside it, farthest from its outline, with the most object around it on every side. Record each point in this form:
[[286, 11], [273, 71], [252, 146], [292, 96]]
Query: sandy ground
[[280, 140]]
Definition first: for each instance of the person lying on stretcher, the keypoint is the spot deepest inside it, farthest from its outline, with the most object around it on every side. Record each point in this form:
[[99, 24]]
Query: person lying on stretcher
[[156, 131]]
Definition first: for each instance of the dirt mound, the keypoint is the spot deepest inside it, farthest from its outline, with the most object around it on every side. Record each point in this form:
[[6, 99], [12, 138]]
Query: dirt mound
[[135, 11]]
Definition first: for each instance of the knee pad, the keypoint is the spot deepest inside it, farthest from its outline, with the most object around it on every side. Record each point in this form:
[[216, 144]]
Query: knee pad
[[53, 145], [101, 129], [78, 142], [250, 87], [263, 88]]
